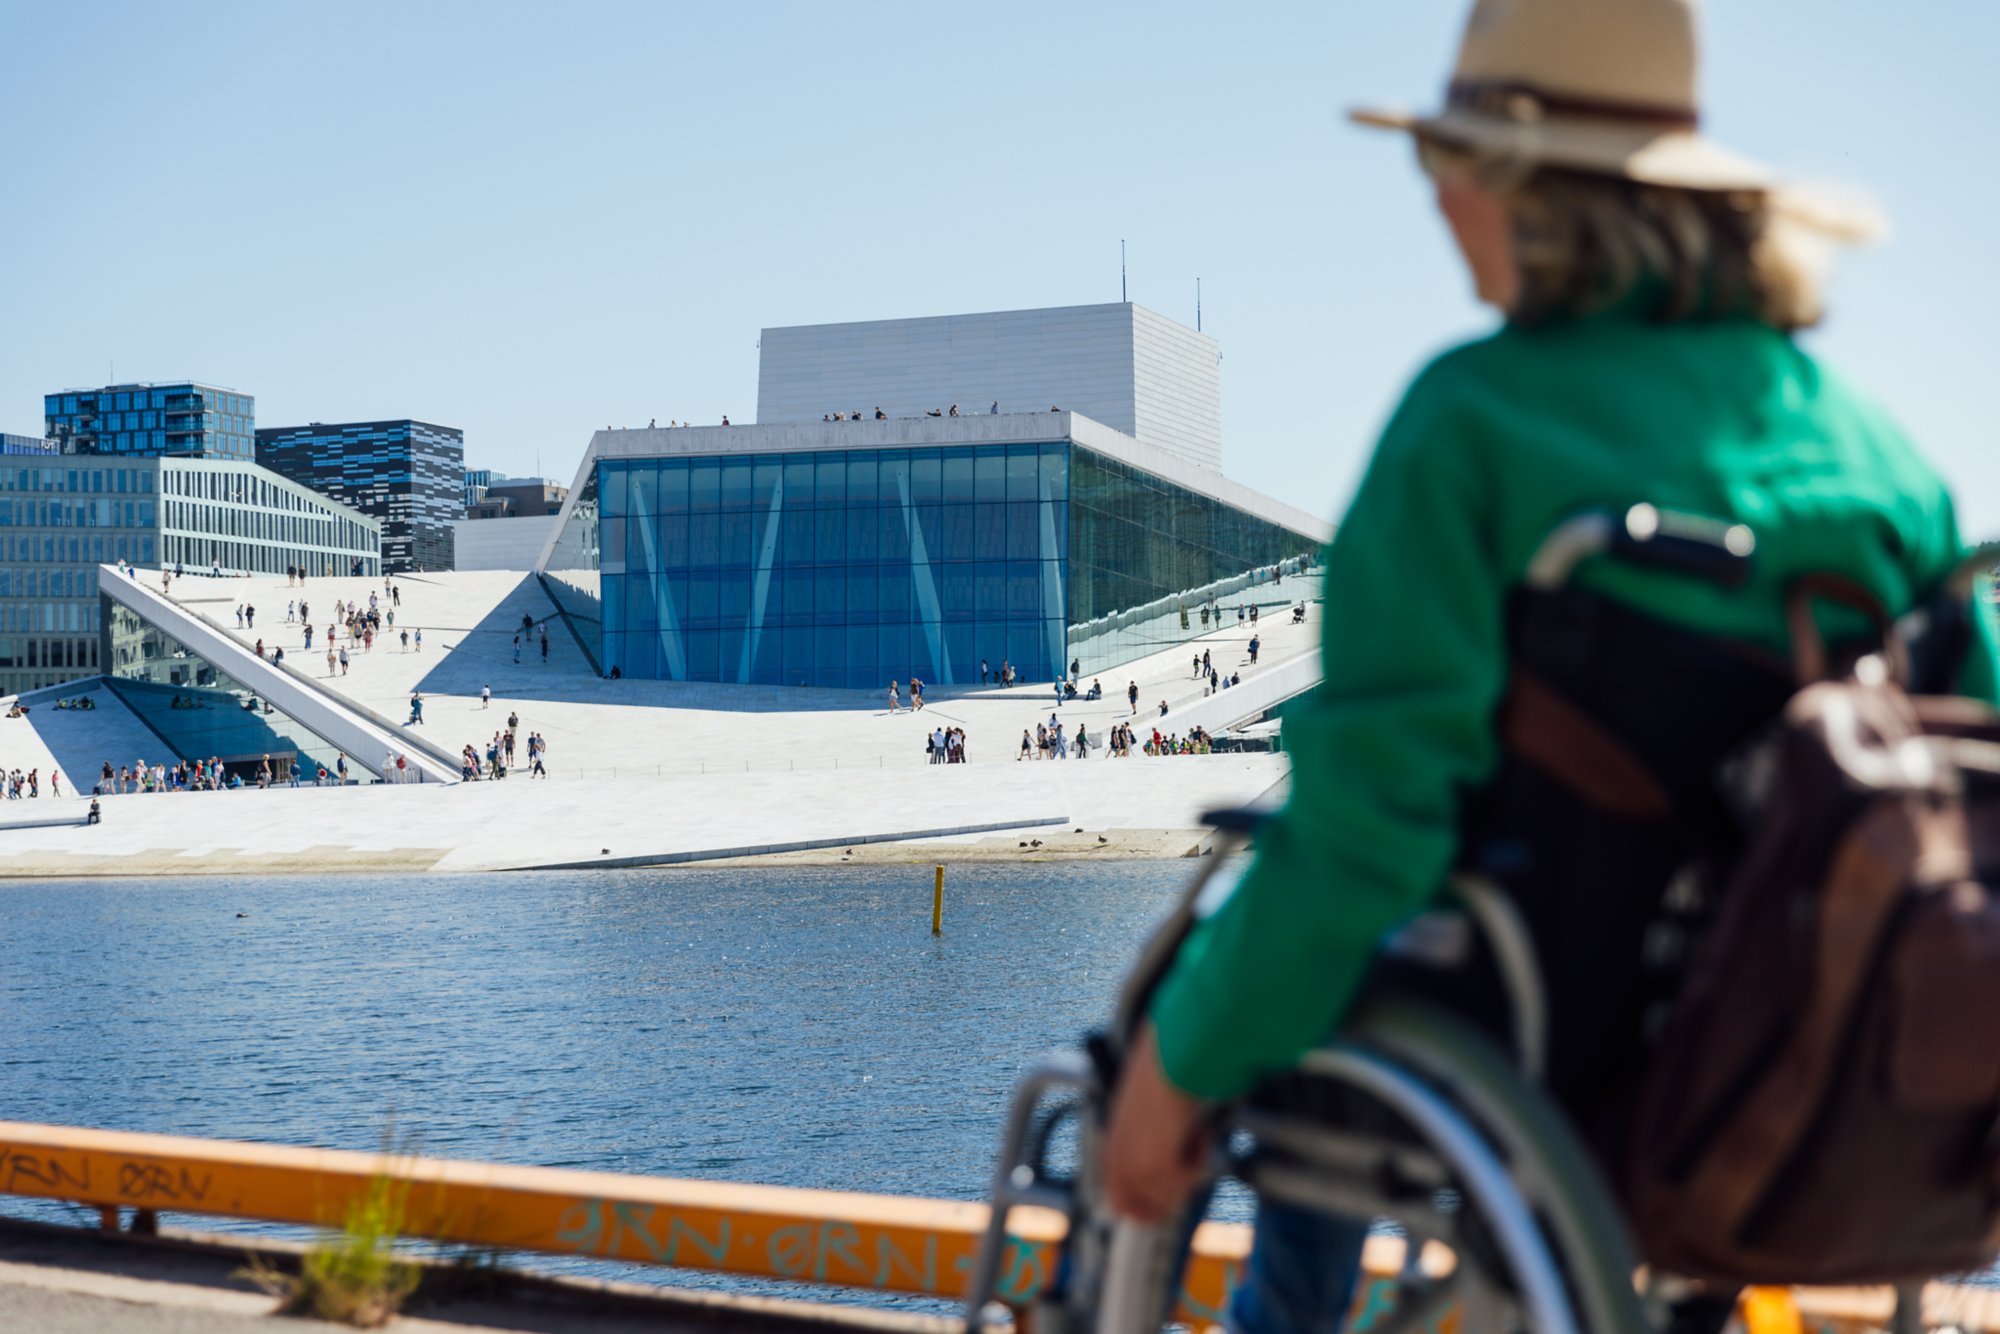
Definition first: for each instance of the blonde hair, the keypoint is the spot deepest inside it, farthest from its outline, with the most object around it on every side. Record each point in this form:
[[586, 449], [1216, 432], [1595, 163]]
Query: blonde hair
[[1585, 243]]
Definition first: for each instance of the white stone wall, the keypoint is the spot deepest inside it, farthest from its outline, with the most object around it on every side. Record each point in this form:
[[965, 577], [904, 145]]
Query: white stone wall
[[1177, 389], [501, 544], [1133, 370]]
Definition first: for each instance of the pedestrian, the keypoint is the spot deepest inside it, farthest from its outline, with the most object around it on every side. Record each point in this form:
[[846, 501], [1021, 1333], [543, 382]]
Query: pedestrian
[[1027, 747], [309, 636], [916, 695], [250, 616], [1132, 696], [517, 650], [1059, 692], [545, 646], [1255, 642], [343, 661], [982, 671], [96, 812], [895, 698], [1075, 668], [406, 641], [485, 697], [55, 782], [330, 663], [239, 616], [340, 769], [416, 710], [420, 639]]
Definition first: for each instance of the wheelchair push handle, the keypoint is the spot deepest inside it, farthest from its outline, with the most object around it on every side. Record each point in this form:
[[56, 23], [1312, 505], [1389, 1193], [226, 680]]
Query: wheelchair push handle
[[1646, 535]]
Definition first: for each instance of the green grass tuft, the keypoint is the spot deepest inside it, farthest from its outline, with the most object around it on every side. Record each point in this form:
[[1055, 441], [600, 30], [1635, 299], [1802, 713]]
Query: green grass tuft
[[355, 1276]]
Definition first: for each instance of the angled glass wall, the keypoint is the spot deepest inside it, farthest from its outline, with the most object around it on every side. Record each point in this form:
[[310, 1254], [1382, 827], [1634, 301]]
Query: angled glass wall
[[853, 568], [1148, 556], [203, 714]]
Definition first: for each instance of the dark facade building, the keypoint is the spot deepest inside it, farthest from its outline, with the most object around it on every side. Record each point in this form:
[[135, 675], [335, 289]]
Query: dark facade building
[[850, 554], [518, 498], [178, 420], [409, 475]]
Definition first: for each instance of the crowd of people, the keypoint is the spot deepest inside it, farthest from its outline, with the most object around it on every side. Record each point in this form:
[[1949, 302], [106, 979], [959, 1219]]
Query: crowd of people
[[500, 752], [879, 415], [20, 785], [945, 745]]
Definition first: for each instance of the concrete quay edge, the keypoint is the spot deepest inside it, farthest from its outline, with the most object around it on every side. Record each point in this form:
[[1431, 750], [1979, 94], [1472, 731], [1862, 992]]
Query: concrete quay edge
[[771, 849]]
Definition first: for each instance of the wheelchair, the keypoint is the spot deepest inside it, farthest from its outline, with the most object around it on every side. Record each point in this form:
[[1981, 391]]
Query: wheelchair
[[1447, 1104]]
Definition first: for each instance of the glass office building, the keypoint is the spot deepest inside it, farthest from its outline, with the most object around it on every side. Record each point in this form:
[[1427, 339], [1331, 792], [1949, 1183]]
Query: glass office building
[[202, 712], [181, 419], [26, 444], [1032, 540], [63, 516], [407, 475]]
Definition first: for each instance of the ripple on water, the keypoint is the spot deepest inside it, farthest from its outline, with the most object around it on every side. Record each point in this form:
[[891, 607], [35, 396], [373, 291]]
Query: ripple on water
[[798, 1025]]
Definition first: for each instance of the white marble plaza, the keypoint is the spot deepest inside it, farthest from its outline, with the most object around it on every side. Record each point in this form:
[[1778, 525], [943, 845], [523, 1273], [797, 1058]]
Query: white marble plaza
[[639, 770]]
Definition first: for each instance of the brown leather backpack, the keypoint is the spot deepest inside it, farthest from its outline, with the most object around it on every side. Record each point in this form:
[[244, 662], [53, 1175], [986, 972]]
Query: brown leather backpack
[[1824, 1104]]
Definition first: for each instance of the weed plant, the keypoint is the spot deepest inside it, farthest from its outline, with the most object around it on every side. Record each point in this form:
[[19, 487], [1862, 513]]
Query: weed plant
[[355, 1276]]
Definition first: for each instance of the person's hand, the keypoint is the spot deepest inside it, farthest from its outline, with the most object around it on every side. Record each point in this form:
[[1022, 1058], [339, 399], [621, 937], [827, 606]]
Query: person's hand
[[1154, 1148]]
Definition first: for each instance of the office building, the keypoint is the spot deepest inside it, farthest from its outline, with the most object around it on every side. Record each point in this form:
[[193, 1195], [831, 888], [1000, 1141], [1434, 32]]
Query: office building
[[181, 419], [408, 475], [518, 497], [61, 517], [25, 444], [476, 482], [1122, 365]]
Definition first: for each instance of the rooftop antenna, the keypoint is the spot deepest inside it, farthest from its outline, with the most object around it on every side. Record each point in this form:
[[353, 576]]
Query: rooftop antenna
[[1122, 298]]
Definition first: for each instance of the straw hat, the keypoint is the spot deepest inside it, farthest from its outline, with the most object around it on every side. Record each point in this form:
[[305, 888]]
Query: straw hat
[[1604, 86]]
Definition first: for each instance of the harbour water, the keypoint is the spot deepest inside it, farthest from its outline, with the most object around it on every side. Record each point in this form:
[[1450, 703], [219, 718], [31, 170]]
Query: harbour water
[[793, 1026]]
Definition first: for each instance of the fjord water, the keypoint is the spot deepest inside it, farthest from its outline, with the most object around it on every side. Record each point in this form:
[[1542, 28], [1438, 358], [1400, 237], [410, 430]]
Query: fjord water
[[798, 1026]]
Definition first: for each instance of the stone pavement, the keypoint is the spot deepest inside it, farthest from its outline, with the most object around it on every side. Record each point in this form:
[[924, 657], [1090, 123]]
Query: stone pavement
[[640, 769]]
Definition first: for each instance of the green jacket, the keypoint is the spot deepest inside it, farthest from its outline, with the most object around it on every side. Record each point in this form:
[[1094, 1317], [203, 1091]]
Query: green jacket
[[1494, 444]]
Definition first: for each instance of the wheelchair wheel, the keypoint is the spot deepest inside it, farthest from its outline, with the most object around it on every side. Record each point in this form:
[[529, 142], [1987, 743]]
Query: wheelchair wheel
[[1540, 1245], [1472, 1157]]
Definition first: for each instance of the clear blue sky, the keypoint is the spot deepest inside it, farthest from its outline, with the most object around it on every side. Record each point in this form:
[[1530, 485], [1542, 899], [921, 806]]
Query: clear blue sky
[[533, 220]]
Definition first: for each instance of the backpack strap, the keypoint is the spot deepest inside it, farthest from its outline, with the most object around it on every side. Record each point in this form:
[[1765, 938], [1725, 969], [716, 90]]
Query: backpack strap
[[1810, 660], [1554, 736]]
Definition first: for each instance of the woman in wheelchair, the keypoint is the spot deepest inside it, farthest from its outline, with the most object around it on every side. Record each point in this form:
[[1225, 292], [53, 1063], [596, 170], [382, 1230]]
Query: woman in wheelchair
[[1650, 284]]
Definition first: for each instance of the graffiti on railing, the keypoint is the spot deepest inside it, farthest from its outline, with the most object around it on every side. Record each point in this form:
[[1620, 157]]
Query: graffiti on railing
[[137, 1180], [820, 1250]]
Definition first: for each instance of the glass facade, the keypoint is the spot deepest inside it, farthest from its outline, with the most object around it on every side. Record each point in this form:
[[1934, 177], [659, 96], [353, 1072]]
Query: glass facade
[[201, 712], [153, 421], [26, 444], [63, 516], [851, 568], [408, 475]]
